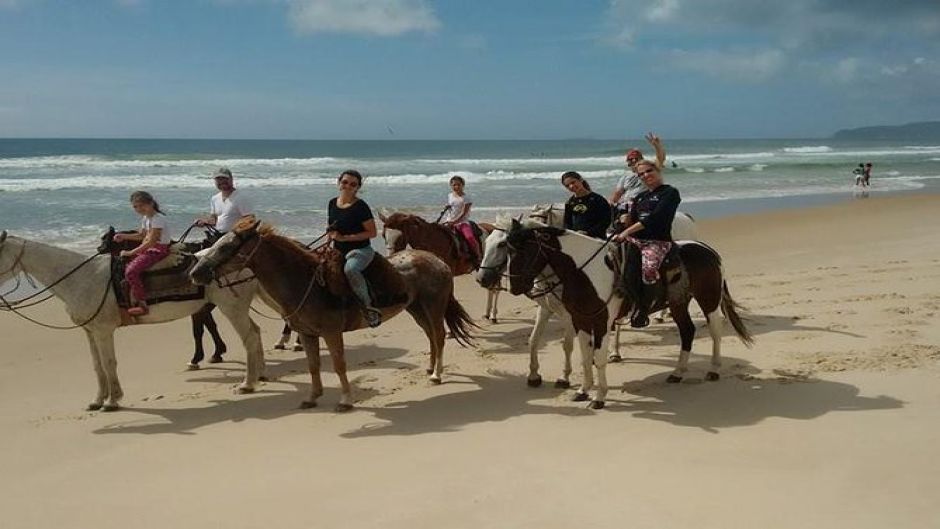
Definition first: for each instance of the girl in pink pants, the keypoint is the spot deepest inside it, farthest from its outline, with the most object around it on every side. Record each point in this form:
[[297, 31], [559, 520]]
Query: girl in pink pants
[[154, 237]]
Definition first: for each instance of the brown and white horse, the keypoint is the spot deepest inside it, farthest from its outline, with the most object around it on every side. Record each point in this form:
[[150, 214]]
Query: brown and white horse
[[311, 294], [593, 304], [401, 230]]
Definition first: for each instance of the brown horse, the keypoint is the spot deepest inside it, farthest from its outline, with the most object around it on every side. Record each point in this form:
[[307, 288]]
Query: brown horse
[[401, 230], [314, 298]]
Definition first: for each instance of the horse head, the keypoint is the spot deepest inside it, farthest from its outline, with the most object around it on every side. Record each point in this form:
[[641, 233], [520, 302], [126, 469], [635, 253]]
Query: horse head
[[495, 255], [548, 214], [396, 229], [527, 247], [218, 258]]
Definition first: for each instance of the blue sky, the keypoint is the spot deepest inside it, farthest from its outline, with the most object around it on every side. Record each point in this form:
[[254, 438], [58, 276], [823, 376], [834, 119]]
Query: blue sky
[[451, 69]]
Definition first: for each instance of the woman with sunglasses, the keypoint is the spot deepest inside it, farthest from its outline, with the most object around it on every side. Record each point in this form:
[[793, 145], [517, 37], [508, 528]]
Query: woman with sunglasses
[[649, 229], [629, 185], [351, 227]]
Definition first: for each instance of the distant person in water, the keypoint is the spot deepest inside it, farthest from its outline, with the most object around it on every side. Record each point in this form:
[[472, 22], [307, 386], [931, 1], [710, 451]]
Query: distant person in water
[[457, 215], [630, 185], [154, 238], [586, 211], [859, 174], [866, 173]]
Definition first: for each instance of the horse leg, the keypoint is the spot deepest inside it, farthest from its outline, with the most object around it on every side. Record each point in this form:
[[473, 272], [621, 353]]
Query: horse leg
[[615, 356], [534, 379], [435, 332], [334, 341], [680, 314], [213, 328], [298, 345], [285, 337], [99, 373], [311, 345], [198, 332], [250, 334], [587, 367], [600, 363], [105, 342], [567, 345], [714, 330]]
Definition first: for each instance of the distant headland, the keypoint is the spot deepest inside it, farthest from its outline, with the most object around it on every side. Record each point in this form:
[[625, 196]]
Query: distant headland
[[922, 130]]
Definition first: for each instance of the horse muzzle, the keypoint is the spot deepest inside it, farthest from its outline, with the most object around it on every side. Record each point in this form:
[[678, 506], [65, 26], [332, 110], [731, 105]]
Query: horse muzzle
[[202, 274], [487, 277]]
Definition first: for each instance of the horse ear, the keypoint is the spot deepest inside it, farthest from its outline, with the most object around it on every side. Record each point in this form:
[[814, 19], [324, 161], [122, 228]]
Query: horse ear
[[382, 216], [256, 225], [3, 236], [516, 225]]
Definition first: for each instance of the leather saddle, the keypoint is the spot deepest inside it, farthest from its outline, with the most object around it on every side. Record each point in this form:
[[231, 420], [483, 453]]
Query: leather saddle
[[625, 259], [167, 280]]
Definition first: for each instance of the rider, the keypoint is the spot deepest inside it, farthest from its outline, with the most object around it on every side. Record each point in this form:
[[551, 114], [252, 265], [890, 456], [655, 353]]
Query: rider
[[585, 211], [154, 237], [457, 215], [226, 206], [351, 228], [629, 185], [649, 228]]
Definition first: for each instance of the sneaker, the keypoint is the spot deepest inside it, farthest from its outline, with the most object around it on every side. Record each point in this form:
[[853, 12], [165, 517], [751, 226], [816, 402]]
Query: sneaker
[[639, 320], [373, 317]]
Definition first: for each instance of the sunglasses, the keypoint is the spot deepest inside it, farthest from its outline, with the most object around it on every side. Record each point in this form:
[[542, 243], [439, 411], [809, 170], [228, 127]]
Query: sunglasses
[[352, 183], [646, 172], [633, 159]]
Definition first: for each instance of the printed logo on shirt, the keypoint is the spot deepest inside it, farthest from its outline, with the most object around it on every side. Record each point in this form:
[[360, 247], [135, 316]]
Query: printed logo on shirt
[[579, 208]]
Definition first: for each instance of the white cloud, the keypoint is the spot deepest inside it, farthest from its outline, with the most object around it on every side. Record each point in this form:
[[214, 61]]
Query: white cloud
[[382, 18], [750, 66], [847, 70], [662, 10]]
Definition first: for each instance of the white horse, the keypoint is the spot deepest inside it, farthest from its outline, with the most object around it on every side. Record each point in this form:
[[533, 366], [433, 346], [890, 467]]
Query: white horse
[[91, 305]]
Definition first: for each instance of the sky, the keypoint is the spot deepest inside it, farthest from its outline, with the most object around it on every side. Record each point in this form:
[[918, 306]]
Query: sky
[[455, 69]]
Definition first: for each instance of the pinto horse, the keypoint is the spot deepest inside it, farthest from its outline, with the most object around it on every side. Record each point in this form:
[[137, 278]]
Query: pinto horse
[[310, 292], [589, 296], [401, 230]]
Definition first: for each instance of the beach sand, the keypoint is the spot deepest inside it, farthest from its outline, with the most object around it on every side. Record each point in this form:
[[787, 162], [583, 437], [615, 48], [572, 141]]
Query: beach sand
[[831, 420]]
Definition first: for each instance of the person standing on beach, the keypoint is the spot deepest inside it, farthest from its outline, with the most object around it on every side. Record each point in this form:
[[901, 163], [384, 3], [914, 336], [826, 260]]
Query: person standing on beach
[[226, 206], [630, 185], [586, 211], [154, 238], [457, 215], [352, 227]]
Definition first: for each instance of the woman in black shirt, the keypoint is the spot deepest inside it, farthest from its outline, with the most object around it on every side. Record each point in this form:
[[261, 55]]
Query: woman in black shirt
[[649, 228], [585, 211], [352, 226]]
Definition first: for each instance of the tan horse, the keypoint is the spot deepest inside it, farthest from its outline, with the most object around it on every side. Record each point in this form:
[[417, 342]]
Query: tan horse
[[401, 230], [314, 298]]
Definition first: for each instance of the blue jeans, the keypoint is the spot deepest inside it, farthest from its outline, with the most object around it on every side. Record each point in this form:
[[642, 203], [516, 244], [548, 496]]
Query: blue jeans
[[356, 261]]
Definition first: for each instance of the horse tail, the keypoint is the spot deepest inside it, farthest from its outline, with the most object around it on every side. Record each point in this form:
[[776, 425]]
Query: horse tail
[[730, 307], [459, 323]]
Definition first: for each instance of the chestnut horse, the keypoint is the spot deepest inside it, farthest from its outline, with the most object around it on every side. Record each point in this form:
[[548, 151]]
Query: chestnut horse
[[589, 296], [401, 230], [312, 295]]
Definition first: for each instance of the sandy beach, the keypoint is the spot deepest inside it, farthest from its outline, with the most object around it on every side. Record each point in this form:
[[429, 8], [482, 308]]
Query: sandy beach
[[831, 420]]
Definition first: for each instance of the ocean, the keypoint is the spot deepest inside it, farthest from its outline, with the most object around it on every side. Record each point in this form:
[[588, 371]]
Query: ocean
[[68, 191]]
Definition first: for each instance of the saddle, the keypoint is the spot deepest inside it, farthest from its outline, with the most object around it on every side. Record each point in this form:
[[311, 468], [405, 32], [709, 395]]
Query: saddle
[[464, 251], [625, 259], [386, 286], [167, 280]]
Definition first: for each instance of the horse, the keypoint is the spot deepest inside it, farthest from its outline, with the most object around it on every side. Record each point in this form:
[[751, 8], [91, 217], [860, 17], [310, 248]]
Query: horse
[[84, 285], [310, 292], [592, 302], [202, 320], [401, 230], [683, 229]]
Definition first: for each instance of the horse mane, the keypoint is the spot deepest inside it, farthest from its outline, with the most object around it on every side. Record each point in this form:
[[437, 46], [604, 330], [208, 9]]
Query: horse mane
[[504, 222], [290, 246]]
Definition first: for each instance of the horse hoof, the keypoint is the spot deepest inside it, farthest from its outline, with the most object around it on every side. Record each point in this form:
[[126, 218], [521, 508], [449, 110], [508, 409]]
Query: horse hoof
[[436, 380], [298, 348], [192, 366], [94, 406], [264, 378], [111, 407], [562, 384], [596, 405], [615, 358], [534, 382], [494, 320], [307, 404], [279, 346], [429, 371], [343, 408], [673, 379], [712, 376], [216, 359], [580, 397], [244, 390]]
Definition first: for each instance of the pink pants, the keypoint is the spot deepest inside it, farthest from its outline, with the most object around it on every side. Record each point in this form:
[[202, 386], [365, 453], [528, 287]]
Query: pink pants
[[136, 267], [467, 231], [652, 254]]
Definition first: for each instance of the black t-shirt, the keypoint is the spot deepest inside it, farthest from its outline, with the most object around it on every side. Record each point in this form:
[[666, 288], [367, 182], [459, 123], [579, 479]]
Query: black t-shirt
[[656, 209], [348, 221], [590, 214]]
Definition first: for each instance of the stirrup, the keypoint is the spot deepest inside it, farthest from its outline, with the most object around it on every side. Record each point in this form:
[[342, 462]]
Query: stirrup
[[373, 317]]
